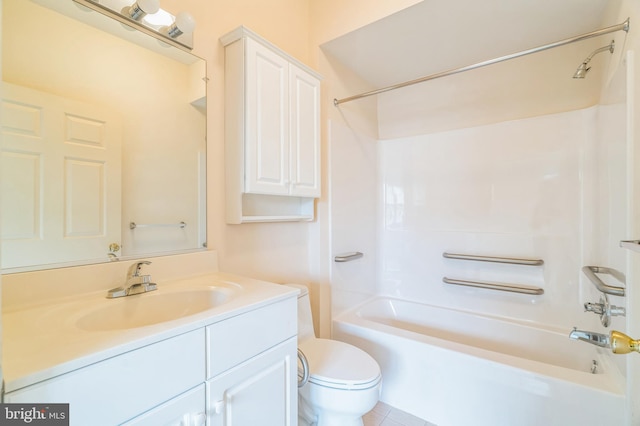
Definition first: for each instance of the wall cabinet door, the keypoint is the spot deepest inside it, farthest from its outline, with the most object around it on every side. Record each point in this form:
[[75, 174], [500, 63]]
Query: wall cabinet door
[[261, 391], [282, 152], [267, 121], [304, 142], [272, 132]]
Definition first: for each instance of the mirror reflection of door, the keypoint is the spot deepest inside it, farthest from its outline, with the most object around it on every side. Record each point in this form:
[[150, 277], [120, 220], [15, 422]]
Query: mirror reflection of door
[[61, 178], [62, 49]]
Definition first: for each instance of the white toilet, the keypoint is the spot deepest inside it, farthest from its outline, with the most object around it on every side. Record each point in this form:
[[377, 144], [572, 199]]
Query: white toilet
[[344, 381]]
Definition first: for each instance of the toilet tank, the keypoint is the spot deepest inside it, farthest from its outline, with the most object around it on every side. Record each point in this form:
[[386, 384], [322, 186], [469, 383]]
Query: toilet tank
[[305, 318]]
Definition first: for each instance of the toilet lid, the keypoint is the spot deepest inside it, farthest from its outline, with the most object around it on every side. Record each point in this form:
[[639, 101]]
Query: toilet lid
[[339, 365]]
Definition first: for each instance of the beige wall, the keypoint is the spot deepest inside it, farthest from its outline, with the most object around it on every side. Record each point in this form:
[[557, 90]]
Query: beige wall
[[279, 252], [272, 251]]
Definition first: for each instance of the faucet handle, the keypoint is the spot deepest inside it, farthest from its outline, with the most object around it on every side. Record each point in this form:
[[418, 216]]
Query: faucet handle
[[605, 310], [134, 270], [596, 308]]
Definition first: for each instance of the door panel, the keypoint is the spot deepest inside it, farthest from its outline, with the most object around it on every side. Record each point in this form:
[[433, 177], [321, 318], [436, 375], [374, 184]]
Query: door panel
[[261, 391], [61, 178], [305, 133], [267, 124]]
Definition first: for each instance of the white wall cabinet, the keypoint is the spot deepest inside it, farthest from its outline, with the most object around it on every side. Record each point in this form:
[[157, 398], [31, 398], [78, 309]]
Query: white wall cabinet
[[272, 132], [208, 376]]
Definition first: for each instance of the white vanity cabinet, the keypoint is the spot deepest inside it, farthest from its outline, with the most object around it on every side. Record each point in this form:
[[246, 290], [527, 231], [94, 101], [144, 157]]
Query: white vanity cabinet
[[272, 132], [121, 387], [234, 371]]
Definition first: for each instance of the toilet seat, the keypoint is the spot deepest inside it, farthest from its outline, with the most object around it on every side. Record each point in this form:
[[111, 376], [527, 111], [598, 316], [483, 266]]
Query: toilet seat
[[355, 369]]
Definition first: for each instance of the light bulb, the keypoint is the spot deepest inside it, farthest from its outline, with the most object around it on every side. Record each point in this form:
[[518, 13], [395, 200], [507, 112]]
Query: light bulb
[[140, 8], [161, 18], [184, 23]]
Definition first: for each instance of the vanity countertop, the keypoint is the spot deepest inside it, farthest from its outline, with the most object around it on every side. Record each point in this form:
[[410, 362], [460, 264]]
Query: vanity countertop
[[44, 341]]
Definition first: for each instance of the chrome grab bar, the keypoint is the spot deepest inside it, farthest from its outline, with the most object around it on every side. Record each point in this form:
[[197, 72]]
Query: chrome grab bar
[[133, 225], [512, 288], [591, 271], [305, 368], [348, 257], [511, 260]]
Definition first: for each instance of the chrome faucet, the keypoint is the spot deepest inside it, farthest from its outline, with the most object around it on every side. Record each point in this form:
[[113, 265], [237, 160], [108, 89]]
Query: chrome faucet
[[135, 283], [597, 339]]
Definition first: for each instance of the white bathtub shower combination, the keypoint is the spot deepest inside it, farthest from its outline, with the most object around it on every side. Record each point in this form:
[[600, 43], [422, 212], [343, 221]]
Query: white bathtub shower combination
[[458, 368]]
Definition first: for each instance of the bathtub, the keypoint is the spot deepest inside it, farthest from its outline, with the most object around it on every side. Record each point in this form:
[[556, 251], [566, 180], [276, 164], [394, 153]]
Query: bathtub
[[455, 368]]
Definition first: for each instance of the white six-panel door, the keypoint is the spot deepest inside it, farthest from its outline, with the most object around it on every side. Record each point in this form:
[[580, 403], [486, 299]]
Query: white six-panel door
[[59, 178]]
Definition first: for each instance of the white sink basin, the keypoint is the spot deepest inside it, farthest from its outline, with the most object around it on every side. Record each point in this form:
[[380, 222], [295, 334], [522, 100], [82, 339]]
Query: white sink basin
[[152, 308]]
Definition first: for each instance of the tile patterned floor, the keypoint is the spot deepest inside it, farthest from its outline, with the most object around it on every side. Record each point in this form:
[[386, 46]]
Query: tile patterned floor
[[385, 415]]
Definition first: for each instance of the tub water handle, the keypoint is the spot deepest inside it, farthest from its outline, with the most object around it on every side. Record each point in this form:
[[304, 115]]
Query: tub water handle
[[605, 310], [305, 369]]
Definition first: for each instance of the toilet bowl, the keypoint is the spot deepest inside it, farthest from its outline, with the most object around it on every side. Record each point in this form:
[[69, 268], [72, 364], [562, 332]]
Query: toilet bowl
[[344, 381]]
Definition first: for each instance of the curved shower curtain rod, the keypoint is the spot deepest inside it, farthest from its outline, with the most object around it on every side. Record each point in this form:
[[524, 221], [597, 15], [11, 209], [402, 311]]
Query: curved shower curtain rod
[[620, 27]]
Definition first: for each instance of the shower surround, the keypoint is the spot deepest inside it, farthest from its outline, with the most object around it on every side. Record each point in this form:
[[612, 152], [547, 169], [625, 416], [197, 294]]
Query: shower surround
[[518, 188], [541, 187], [553, 187]]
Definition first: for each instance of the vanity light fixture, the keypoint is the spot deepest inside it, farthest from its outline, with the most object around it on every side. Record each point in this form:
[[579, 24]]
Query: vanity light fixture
[[183, 24], [161, 18], [141, 8], [150, 18]]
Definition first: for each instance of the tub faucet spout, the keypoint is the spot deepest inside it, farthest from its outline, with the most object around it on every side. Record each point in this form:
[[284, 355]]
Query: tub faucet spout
[[597, 339]]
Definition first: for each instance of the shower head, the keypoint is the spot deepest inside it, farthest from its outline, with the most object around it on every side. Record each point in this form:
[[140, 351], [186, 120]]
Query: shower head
[[583, 69]]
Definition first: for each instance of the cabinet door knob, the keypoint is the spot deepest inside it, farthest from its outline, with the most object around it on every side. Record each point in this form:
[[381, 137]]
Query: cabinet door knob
[[217, 407], [198, 419]]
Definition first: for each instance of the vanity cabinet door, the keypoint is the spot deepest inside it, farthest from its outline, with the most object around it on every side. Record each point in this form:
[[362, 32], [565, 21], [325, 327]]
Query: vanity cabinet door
[[282, 154], [187, 409], [261, 391]]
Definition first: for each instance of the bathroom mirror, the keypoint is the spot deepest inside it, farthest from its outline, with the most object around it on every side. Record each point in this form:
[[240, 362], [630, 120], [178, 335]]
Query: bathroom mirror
[[103, 140]]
